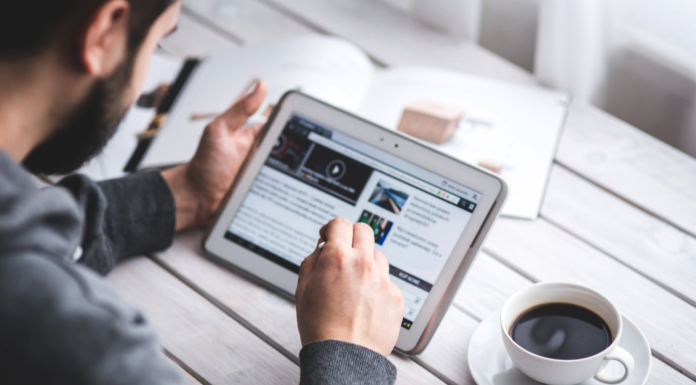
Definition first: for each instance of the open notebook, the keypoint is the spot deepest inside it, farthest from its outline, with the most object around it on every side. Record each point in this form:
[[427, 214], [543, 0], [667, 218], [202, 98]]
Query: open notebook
[[518, 126]]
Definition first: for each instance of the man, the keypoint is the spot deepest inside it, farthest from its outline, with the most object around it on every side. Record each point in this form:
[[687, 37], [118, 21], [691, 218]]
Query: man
[[68, 72]]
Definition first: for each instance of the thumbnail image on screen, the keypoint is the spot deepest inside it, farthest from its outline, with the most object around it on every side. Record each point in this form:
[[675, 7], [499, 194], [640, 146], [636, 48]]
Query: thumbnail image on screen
[[380, 226], [388, 197]]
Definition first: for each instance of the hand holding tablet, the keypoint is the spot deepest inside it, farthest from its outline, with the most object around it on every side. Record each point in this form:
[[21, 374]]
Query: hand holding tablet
[[200, 185], [423, 217], [344, 292]]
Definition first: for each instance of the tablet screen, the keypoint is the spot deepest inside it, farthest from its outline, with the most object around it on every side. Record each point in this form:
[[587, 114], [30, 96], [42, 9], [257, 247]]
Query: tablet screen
[[315, 174]]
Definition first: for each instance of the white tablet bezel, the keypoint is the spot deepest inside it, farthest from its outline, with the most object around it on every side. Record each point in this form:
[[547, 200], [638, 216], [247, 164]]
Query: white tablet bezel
[[493, 191]]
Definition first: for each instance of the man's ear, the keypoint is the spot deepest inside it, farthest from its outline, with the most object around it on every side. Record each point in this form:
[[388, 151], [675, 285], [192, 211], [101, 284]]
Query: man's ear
[[103, 44]]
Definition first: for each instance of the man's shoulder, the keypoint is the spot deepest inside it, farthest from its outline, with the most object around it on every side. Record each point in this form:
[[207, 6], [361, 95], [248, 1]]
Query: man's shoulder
[[35, 286], [39, 296], [26, 275], [13, 178], [35, 219], [62, 323]]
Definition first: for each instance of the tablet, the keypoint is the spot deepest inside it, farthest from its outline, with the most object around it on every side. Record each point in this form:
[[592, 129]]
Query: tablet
[[314, 162]]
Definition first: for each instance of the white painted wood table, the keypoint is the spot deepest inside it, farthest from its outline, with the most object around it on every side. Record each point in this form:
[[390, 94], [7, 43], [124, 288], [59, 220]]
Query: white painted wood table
[[619, 216]]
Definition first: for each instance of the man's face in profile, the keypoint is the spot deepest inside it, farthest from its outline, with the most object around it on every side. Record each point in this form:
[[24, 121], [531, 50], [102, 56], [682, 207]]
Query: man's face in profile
[[87, 129]]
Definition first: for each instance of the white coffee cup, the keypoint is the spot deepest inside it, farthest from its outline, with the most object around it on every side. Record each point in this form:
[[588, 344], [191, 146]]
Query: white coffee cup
[[565, 372]]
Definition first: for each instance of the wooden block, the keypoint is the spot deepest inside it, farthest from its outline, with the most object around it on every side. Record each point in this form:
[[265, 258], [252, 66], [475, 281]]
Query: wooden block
[[491, 165], [430, 121]]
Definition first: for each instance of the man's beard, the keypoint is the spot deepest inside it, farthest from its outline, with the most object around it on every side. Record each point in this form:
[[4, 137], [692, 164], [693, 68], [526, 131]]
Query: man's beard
[[85, 132]]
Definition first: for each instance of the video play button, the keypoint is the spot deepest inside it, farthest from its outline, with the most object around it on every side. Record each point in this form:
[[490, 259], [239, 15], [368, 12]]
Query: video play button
[[336, 169]]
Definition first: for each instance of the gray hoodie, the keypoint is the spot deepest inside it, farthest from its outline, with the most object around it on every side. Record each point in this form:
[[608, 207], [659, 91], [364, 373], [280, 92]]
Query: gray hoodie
[[61, 323]]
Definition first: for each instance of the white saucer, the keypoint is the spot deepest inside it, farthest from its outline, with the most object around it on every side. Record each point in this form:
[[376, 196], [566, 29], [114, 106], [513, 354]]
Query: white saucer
[[490, 365]]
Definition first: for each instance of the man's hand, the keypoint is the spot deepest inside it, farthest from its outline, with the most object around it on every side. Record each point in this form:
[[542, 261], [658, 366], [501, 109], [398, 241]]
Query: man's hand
[[344, 292], [199, 186]]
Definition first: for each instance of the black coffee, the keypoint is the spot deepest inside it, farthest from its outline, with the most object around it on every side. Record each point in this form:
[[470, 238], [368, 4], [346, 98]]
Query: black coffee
[[561, 331]]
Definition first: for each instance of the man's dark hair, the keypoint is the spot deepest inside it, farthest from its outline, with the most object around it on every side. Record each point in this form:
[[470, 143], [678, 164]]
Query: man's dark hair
[[28, 27]]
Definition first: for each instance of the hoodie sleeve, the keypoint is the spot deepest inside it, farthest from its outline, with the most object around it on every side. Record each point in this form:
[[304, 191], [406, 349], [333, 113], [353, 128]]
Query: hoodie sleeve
[[337, 362], [124, 217]]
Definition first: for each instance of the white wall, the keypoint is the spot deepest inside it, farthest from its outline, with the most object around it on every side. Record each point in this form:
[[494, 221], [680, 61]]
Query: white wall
[[509, 28]]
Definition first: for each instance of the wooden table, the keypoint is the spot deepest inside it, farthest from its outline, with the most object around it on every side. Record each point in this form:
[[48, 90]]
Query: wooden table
[[619, 216]]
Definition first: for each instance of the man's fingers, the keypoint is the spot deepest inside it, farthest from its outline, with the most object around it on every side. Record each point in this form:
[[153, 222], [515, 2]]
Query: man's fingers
[[382, 261], [338, 231], [322, 232], [245, 107], [363, 237], [306, 270]]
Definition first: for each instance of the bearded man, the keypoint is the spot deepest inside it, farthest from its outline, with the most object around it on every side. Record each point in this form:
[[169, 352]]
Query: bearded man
[[69, 70]]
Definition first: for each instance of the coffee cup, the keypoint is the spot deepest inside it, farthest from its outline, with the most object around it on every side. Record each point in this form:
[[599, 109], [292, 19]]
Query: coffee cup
[[560, 323]]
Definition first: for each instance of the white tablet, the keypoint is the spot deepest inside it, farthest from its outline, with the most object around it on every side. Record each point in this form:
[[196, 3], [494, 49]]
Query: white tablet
[[430, 212]]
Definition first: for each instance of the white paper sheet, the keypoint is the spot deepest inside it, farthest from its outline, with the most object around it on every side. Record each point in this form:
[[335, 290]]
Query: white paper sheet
[[327, 68], [518, 126]]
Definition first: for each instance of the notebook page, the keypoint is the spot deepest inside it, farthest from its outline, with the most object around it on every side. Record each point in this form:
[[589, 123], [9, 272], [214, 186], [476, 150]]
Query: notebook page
[[518, 126], [327, 68]]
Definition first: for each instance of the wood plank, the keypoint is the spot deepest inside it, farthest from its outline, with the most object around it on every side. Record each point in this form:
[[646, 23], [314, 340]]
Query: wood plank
[[633, 165], [661, 374], [447, 351], [245, 21], [193, 330], [188, 379], [266, 310], [389, 37], [487, 286], [193, 39], [184, 369], [394, 38], [543, 252], [654, 248]]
